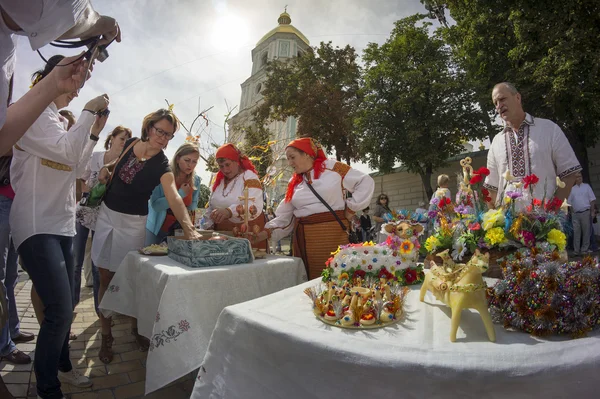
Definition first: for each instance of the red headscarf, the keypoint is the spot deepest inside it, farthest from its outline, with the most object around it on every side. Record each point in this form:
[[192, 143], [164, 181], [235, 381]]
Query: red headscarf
[[229, 151], [314, 150]]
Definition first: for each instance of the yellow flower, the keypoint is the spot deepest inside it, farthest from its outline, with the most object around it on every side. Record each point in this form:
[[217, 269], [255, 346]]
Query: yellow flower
[[368, 244], [557, 238], [336, 252], [492, 218], [344, 276], [495, 236], [432, 243], [406, 247]]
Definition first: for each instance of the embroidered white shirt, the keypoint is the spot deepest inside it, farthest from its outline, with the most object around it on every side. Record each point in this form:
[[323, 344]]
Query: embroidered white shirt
[[228, 197], [331, 185], [542, 150], [46, 162]]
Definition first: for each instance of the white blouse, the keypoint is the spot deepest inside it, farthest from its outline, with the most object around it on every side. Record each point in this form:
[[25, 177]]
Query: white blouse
[[331, 185], [46, 162], [228, 197]]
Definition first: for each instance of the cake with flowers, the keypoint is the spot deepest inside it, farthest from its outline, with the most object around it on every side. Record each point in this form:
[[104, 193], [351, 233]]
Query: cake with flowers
[[396, 259]]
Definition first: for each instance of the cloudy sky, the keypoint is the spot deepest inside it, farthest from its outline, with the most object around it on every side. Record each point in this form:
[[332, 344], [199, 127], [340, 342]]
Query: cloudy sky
[[196, 53]]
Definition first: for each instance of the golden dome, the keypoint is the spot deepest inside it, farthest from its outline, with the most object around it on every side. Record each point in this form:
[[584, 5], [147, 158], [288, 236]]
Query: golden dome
[[285, 26]]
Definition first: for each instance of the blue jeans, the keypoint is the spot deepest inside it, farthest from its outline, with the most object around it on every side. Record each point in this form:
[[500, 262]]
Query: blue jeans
[[152, 238], [8, 277], [48, 260], [79, 242]]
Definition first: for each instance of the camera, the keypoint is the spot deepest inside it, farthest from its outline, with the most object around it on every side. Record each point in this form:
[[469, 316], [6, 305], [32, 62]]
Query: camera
[[104, 112]]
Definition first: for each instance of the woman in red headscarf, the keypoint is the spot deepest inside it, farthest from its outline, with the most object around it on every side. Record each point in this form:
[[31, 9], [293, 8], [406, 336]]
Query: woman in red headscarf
[[317, 232], [226, 210]]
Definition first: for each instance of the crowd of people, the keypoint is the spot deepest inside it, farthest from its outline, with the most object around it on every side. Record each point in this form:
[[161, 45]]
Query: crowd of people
[[133, 195]]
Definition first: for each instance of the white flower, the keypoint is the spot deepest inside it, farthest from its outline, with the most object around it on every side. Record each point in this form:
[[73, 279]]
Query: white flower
[[565, 206], [508, 176], [560, 183], [518, 184], [459, 251]]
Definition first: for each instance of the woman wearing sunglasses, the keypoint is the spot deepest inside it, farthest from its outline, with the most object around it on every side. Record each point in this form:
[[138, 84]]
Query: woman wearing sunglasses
[[121, 223]]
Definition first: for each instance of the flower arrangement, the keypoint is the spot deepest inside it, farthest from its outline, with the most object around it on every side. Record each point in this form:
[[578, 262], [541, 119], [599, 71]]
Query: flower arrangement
[[521, 220], [542, 294]]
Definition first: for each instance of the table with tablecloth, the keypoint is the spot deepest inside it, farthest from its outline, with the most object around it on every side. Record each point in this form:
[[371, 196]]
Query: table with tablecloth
[[274, 347], [177, 306]]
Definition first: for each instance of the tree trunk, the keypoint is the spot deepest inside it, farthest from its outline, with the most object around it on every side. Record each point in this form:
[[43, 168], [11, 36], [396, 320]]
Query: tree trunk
[[426, 179]]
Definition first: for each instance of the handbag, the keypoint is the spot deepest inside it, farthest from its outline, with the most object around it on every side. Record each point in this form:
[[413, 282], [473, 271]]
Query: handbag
[[96, 195], [352, 236]]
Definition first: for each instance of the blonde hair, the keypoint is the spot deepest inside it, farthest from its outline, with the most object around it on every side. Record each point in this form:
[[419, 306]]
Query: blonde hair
[[443, 180], [152, 118], [185, 149]]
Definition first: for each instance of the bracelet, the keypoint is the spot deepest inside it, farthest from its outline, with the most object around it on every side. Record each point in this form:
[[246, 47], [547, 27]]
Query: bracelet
[[95, 138]]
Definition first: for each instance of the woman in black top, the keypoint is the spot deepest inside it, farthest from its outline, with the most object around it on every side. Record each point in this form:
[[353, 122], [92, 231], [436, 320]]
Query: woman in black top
[[121, 224]]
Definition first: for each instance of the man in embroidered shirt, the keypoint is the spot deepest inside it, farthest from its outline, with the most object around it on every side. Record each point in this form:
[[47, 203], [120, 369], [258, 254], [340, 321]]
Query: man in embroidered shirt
[[526, 146], [583, 201]]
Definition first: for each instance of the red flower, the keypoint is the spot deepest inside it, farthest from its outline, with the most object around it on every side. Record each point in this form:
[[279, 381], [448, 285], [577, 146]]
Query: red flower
[[487, 199], [485, 192], [482, 171], [530, 180], [476, 179], [443, 202], [410, 275], [328, 261], [359, 273], [383, 272], [553, 205], [474, 226], [537, 202]]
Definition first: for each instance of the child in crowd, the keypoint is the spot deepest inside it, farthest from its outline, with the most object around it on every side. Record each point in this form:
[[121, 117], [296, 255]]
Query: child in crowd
[[366, 225]]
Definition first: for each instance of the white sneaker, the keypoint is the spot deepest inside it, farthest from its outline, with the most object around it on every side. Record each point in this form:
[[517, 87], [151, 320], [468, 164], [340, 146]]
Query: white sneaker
[[75, 378]]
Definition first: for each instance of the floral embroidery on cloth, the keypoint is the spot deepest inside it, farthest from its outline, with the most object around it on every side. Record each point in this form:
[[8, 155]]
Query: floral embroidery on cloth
[[131, 168], [169, 335]]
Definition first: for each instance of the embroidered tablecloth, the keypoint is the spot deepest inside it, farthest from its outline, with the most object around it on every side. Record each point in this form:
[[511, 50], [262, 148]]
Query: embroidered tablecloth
[[177, 306], [273, 347]]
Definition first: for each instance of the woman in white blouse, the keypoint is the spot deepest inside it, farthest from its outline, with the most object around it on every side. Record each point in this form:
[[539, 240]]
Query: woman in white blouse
[[46, 162], [87, 215], [317, 232], [226, 210]]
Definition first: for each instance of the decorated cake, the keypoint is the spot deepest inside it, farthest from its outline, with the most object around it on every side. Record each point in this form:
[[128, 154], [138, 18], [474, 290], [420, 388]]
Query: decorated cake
[[395, 260]]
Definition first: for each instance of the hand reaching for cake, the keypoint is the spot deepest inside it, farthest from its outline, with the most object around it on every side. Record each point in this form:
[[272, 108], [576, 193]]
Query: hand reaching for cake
[[256, 237]]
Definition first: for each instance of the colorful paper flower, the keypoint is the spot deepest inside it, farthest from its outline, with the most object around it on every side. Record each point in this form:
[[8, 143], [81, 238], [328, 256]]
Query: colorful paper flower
[[558, 238], [527, 238], [482, 171], [492, 218], [410, 275], [513, 195], [476, 179], [495, 236], [530, 180], [432, 243], [406, 247]]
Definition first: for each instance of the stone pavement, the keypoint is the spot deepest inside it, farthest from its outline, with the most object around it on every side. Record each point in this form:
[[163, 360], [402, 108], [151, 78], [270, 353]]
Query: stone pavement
[[123, 378]]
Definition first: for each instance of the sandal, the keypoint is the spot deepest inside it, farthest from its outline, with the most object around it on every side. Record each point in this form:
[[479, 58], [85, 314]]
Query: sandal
[[106, 354], [142, 342]]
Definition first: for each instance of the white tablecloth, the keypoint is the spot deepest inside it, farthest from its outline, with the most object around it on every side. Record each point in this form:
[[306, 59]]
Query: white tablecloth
[[273, 347], [177, 307]]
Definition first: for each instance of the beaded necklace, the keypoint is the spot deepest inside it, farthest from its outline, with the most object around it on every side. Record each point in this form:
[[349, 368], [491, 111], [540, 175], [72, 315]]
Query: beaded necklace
[[232, 182]]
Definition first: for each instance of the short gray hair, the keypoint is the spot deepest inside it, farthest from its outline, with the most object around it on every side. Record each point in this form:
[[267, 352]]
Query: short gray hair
[[511, 87]]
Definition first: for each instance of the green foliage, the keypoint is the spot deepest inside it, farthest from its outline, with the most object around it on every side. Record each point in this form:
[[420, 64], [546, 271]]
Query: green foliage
[[321, 89], [417, 108], [549, 50], [204, 196]]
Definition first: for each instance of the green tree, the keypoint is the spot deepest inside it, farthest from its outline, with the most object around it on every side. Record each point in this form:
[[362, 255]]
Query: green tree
[[204, 196], [321, 89], [417, 109], [549, 50]]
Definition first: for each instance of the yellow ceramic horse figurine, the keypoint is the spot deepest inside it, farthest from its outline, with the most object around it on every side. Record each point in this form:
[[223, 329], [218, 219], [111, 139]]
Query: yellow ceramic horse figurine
[[461, 286]]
